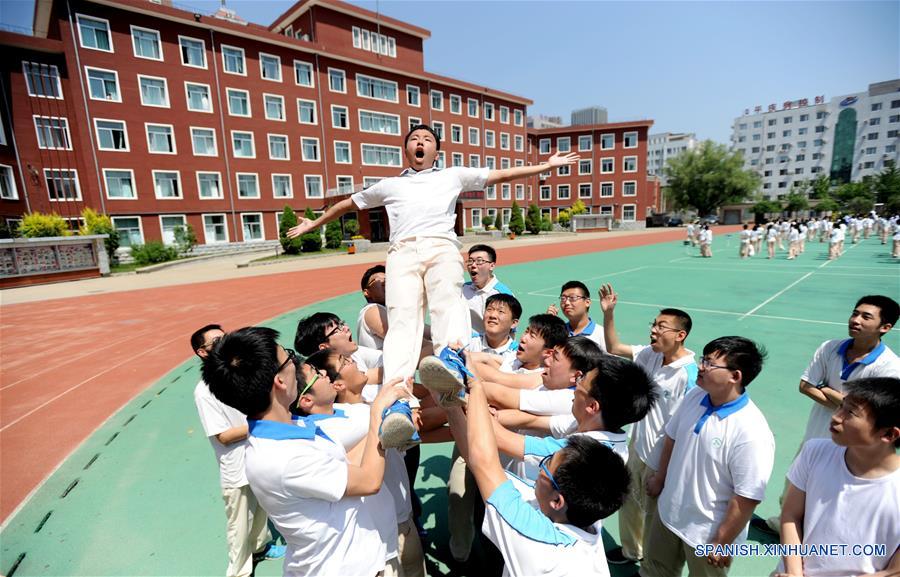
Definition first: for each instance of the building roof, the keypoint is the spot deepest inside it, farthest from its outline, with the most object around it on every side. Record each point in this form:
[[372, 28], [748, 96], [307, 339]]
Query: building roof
[[31, 43], [302, 6], [586, 127]]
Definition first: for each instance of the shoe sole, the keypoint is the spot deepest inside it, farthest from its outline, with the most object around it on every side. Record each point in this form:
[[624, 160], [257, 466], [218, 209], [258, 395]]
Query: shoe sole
[[436, 377], [397, 431]]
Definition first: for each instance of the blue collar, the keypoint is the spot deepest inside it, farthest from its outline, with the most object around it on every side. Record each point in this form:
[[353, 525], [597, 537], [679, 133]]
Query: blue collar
[[723, 410], [848, 368], [337, 414], [588, 330], [299, 428]]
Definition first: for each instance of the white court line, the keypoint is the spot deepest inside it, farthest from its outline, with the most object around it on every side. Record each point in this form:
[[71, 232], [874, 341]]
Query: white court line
[[681, 259], [776, 295], [708, 269], [732, 313], [537, 292]]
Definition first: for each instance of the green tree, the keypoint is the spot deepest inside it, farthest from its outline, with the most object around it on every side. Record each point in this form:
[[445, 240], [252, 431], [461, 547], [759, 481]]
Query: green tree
[[546, 224], [185, 238], [887, 189], [564, 218], [578, 208], [820, 187], [827, 204], [708, 177], [764, 207], [533, 219], [856, 197], [36, 224], [487, 221], [351, 227], [153, 252], [333, 234], [96, 223], [288, 220], [796, 201], [311, 241], [516, 223]]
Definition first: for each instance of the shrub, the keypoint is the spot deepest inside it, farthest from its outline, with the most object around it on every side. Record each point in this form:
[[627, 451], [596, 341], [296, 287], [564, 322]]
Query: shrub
[[546, 224], [288, 220], [578, 208], [35, 225], [185, 238], [533, 219], [487, 222], [564, 218], [333, 234], [95, 223], [153, 252], [311, 241], [351, 227], [516, 222]]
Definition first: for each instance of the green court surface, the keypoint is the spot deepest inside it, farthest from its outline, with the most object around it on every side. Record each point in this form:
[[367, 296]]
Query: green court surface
[[141, 496]]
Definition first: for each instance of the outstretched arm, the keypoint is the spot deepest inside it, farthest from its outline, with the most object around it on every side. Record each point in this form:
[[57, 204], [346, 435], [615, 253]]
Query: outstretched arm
[[507, 174], [332, 213], [608, 300], [483, 459]]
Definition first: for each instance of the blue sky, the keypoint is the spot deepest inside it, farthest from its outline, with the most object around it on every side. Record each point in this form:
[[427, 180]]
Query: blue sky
[[689, 66]]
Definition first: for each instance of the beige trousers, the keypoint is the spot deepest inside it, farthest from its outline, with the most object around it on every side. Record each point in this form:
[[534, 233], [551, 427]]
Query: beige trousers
[[634, 514], [665, 554], [246, 531], [461, 506]]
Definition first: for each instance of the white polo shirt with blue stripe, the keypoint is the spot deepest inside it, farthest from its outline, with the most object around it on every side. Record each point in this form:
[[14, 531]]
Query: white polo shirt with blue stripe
[[592, 331], [477, 298], [536, 448]]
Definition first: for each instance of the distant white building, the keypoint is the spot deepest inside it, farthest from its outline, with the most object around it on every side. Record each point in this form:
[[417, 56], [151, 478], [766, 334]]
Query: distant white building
[[542, 121], [846, 138], [588, 116], [665, 145]]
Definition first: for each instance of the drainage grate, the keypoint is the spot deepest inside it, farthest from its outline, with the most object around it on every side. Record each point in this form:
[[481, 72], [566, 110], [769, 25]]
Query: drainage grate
[[43, 521], [15, 565], [69, 488]]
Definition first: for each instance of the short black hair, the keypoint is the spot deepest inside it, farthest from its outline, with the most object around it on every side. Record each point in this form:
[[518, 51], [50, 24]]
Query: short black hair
[[515, 307], [321, 361], [740, 354], [881, 396], [684, 319], [624, 390], [311, 332], [241, 367], [437, 139], [484, 248], [551, 328], [197, 339], [367, 276], [592, 479], [583, 353], [576, 284], [888, 308]]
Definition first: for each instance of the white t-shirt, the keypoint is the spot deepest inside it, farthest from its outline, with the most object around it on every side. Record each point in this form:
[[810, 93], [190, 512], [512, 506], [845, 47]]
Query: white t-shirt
[[364, 336], [745, 236], [368, 358], [300, 482], [732, 454], [593, 331], [422, 203], [544, 401], [506, 351], [843, 508], [217, 417], [477, 297], [536, 448], [828, 366], [513, 365], [673, 380], [771, 235], [532, 544]]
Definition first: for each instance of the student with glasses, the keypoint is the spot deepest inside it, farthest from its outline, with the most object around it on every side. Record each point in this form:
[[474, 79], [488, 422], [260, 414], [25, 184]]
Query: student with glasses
[[575, 304], [480, 264]]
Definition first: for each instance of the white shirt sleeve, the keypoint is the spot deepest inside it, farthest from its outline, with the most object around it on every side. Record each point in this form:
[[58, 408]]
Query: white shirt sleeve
[[798, 474], [369, 197], [561, 426], [817, 371], [544, 402], [472, 178], [214, 414], [751, 464], [316, 475]]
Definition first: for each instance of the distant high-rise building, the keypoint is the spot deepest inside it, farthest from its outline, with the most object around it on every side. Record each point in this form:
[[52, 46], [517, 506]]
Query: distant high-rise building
[[663, 146], [541, 121], [589, 115]]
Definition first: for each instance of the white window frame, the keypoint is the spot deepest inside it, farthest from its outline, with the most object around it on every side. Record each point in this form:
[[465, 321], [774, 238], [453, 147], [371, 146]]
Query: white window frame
[[504, 137], [559, 188], [218, 174], [65, 128], [75, 179], [476, 215], [147, 126], [180, 196], [542, 143], [187, 97], [87, 71], [362, 146], [625, 139], [125, 130], [567, 140], [29, 86], [612, 188], [303, 150], [287, 146], [456, 159], [627, 182], [134, 194], [158, 43], [290, 179], [228, 92], [261, 68], [359, 118], [395, 100], [140, 222], [475, 161], [625, 164], [413, 121], [215, 140], [315, 112], [225, 70], [518, 143], [469, 102], [490, 139], [460, 139], [252, 143], [606, 210], [181, 52], [162, 232], [590, 190], [518, 117], [237, 185], [488, 106], [206, 239], [168, 103], [337, 183], [477, 134], [613, 170], [280, 98], [431, 96], [458, 99], [504, 113], [590, 166], [306, 181], [604, 135], [262, 227], [349, 152], [418, 93], [520, 192], [346, 115], [312, 73], [438, 127], [79, 17], [590, 142], [11, 179], [343, 75], [634, 218]]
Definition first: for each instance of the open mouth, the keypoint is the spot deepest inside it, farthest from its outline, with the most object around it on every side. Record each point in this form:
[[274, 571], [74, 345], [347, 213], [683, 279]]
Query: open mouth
[[420, 153]]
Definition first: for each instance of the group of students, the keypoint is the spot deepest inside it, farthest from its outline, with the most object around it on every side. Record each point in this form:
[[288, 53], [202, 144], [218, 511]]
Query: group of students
[[538, 421]]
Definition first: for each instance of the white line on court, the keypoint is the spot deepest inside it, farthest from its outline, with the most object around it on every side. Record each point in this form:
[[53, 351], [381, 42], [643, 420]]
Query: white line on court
[[537, 292], [733, 313], [741, 270], [776, 295]]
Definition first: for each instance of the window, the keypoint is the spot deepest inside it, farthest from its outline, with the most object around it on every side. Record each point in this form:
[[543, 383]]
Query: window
[[456, 134], [772, 121], [129, 229], [490, 192], [787, 119], [379, 122], [488, 111], [874, 121], [193, 52], [282, 186], [154, 91], [893, 133], [629, 188], [160, 138], [802, 130], [103, 84], [505, 192], [94, 33], [607, 165], [248, 185], [238, 102], [337, 80], [274, 107], [252, 226], [607, 141], [8, 189], [52, 133], [412, 95], [119, 183], [488, 138], [166, 184], [628, 212], [757, 124], [413, 121], [270, 67], [821, 114], [111, 135], [278, 147], [473, 136], [342, 152], [476, 218], [504, 163], [62, 184], [544, 146], [585, 144], [169, 224], [303, 73], [564, 170], [894, 118], [313, 184], [439, 161], [629, 164], [376, 88], [214, 228], [474, 161], [584, 167], [438, 128], [520, 192], [437, 100], [770, 135], [519, 143], [203, 141], [455, 104], [564, 144], [518, 117], [344, 184], [242, 144], [563, 192], [606, 189], [309, 148], [876, 106], [378, 155], [490, 162], [146, 43], [198, 97], [504, 141], [233, 60], [895, 104], [456, 159], [584, 190], [209, 185], [630, 140], [504, 114], [804, 117], [473, 107], [42, 80], [339, 117]]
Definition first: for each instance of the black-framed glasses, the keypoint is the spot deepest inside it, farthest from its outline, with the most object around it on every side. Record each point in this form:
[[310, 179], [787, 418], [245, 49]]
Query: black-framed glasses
[[707, 364], [543, 466], [338, 328], [571, 298], [479, 261], [661, 328], [291, 358]]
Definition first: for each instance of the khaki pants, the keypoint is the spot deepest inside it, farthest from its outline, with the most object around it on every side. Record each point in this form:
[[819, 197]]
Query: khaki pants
[[422, 272], [634, 514], [665, 554], [463, 492], [412, 558], [246, 530]]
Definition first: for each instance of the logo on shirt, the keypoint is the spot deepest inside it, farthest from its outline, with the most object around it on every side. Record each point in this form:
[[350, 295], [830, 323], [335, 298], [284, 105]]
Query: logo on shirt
[[716, 443]]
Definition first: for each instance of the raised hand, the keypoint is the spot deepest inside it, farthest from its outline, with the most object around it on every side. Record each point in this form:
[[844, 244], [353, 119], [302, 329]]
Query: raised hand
[[553, 309], [303, 227], [559, 159], [391, 391], [608, 297]]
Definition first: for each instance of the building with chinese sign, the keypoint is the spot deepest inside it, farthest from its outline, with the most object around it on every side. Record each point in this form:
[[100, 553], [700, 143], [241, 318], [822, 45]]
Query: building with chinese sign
[[846, 138]]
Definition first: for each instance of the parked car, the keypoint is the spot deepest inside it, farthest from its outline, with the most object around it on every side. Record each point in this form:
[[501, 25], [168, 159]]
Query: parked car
[[674, 221], [711, 219]]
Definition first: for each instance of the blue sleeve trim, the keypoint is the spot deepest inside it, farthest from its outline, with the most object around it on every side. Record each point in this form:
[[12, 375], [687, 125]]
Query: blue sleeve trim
[[525, 519], [691, 371], [503, 289], [542, 447]]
